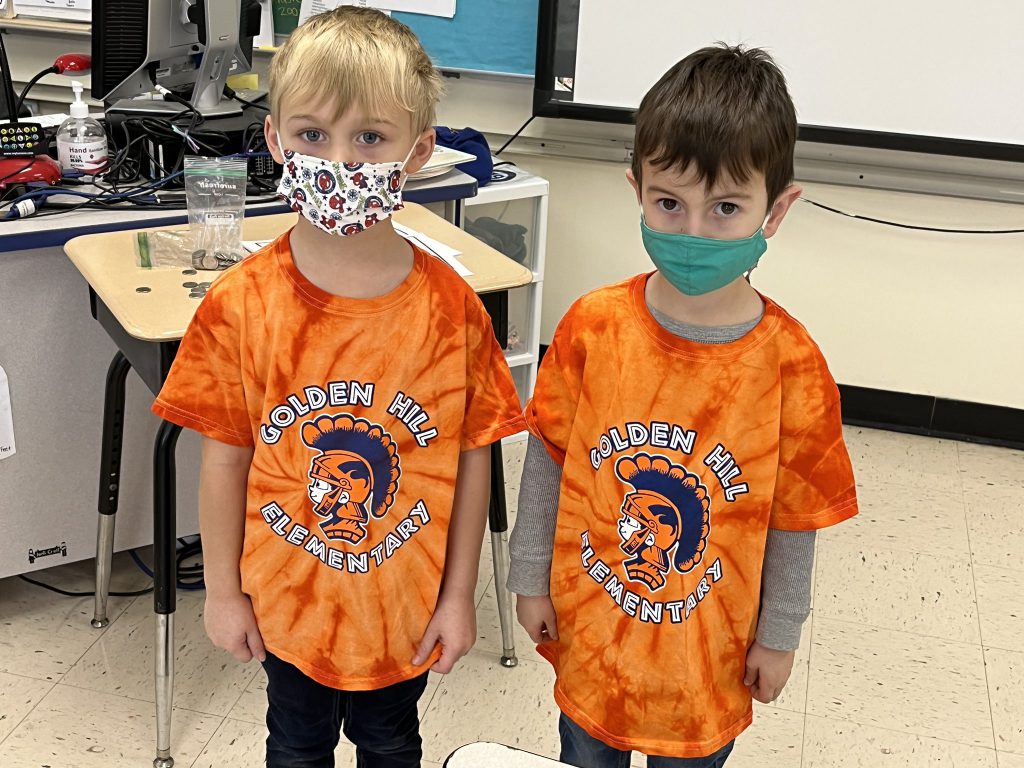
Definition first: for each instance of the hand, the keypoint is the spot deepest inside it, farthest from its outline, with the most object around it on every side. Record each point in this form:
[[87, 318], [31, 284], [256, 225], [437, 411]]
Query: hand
[[537, 616], [453, 625], [231, 625], [767, 672]]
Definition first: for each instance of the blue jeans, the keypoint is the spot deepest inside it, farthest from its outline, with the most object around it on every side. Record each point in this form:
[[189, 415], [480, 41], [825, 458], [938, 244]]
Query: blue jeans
[[581, 749], [305, 719]]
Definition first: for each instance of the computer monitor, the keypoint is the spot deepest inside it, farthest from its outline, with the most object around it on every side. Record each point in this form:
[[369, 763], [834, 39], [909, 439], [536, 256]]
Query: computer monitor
[[188, 46]]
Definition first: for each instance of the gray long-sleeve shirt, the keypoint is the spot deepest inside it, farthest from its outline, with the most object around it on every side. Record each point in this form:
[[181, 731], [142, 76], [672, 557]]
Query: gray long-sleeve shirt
[[788, 555]]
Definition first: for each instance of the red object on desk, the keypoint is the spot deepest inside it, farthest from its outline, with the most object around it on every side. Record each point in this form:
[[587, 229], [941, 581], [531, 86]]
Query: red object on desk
[[19, 170]]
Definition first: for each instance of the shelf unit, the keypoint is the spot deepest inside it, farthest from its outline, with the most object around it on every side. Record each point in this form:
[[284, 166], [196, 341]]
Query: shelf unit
[[518, 197]]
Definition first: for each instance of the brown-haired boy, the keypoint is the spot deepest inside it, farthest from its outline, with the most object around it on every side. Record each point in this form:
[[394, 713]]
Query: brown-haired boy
[[664, 542]]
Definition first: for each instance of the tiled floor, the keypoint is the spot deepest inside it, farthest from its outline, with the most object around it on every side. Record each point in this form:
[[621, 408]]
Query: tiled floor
[[913, 656]]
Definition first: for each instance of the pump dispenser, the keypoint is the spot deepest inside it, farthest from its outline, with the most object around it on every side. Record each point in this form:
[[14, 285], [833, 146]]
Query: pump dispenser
[[81, 141]]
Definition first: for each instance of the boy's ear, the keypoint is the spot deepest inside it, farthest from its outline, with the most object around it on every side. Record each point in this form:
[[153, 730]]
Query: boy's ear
[[780, 208], [421, 151], [270, 133], [633, 183]]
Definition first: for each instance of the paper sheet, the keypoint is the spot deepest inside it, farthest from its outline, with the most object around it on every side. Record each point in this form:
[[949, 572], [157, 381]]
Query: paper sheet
[[313, 7], [443, 8], [6, 419], [446, 253], [251, 246]]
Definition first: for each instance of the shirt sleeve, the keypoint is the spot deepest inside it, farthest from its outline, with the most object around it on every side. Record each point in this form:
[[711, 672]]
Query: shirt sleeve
[[815, 486], [492, 403], [204, 390], [552, 409]]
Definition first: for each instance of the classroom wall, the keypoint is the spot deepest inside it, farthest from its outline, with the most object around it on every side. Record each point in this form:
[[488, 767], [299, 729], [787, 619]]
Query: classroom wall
[[892, 309]]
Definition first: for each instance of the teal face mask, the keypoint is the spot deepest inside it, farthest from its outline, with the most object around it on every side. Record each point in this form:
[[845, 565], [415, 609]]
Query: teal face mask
[[699, 265]]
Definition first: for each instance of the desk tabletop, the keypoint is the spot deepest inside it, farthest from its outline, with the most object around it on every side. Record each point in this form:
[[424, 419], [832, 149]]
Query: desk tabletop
[[163, 312], [486, 754]]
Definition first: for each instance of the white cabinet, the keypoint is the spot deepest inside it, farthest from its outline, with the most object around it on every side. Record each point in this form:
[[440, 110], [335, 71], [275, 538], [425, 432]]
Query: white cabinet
[[511, 215]]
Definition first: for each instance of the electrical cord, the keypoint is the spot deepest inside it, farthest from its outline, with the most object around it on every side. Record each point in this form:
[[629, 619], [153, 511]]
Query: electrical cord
[[230, 93], [189, 577], [514, 136], [140, 196], [917, 227], [52, 70], [68, 593]]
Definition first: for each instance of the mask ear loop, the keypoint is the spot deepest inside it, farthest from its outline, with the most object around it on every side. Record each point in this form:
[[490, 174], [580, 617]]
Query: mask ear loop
[[761, 230], [405, 174]]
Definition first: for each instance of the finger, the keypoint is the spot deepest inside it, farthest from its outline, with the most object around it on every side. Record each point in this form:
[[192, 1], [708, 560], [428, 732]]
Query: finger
[[255, 642], [430, 638], [241, 651], [751, 676], [552, 628], [445, 664], [536, 633]]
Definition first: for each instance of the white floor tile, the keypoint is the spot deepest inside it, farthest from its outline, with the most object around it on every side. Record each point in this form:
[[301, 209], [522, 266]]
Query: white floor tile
[[97, 730], [1001, 606], [910, 683], [775, 739], [832, 743], [914, 516], [18, 696], [909, 591], [482, 701], [207, 679], [880, 456], [988, 464], [995, 519], [42, 634], [1005, 683]]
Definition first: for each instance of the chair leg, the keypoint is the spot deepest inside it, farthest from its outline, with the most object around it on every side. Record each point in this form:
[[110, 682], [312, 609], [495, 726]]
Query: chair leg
[[110, 482], [164, 596], [498, 521]]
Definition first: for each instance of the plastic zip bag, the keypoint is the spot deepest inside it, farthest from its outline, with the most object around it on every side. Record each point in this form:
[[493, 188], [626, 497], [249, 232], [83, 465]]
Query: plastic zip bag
[[215, 194]]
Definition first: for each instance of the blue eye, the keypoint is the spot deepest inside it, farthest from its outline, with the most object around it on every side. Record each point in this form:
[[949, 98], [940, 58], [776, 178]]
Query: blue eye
[[728, 209], [369, 137], [668, 204], [312, 136]]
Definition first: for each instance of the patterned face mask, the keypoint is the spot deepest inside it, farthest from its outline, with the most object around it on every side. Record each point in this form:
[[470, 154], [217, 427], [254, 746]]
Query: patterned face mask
[[341, 198]]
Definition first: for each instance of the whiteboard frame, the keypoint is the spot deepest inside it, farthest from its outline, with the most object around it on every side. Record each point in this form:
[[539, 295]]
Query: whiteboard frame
[[546, 103]]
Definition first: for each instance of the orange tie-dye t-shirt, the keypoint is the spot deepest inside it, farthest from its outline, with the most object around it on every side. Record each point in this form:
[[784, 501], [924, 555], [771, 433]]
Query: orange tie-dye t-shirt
[[676, 459], [357, 410]]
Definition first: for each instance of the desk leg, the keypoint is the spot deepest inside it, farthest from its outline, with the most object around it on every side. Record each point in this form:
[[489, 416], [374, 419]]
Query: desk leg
[[498, 520], [110, 481], [164, 569], [453, 212]]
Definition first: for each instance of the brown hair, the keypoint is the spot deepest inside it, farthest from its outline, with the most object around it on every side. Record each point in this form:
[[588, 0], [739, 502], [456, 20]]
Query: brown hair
[[721, 108], [356, 56]]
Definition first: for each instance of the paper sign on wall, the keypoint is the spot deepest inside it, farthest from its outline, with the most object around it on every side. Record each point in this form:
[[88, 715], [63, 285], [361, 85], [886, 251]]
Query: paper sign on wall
[[6, 418], [445, 8]]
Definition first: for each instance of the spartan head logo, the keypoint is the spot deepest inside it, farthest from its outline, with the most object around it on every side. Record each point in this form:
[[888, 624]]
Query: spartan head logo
[[354, 476], [666, 516]]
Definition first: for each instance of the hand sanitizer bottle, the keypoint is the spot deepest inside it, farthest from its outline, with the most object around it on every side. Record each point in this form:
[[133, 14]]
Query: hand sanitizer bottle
[[81, 141]]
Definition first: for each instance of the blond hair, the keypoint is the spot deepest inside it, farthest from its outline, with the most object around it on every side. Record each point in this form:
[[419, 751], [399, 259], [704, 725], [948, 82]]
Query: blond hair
[[356, 56]]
